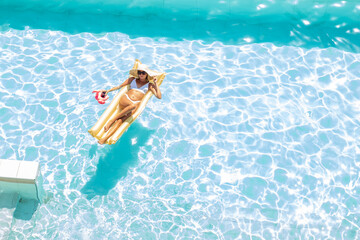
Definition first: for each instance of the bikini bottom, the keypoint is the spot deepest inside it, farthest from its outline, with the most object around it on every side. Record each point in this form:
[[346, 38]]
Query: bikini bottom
[[134, 102]]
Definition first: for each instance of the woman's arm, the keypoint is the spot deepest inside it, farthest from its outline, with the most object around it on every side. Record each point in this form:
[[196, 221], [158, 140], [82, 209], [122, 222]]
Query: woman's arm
[[155, 89], [126, 82]]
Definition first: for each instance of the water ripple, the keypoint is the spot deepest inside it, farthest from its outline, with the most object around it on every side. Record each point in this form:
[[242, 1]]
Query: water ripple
[[248, 141]]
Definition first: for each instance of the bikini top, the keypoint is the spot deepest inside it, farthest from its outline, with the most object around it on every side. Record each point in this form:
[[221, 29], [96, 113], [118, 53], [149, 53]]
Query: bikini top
[[142, 89]]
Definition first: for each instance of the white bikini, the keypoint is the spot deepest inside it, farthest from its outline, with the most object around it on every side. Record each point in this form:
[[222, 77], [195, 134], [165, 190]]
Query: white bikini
[[142, 89]]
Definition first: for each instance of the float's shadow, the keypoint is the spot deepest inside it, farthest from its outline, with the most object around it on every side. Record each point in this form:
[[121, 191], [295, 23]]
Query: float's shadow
[[117, 160]]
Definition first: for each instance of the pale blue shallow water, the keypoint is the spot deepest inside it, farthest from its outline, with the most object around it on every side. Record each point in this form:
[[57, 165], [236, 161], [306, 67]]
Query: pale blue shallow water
[[250, 140]]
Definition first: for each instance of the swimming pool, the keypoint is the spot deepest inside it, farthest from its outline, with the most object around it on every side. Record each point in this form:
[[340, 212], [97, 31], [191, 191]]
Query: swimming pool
[[256, 137]]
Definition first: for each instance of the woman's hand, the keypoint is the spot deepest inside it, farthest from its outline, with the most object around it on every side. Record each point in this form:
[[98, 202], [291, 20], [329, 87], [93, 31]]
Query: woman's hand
[[100, 96], [155, 88], [101, 90]]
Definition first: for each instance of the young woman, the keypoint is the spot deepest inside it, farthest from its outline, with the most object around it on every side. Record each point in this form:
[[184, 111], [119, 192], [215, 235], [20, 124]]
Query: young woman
[[130, 101]]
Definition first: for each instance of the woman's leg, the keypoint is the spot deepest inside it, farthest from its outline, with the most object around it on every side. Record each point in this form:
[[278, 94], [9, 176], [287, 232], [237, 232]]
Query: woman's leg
[[113, 129], [123, 112], [117, 125]]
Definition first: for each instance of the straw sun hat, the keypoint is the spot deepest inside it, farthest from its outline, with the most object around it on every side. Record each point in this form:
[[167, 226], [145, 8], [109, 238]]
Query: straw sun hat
[[142, 67]]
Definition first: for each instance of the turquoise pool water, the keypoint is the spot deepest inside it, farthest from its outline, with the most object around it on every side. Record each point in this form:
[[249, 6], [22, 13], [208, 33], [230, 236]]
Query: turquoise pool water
[[256, 137]]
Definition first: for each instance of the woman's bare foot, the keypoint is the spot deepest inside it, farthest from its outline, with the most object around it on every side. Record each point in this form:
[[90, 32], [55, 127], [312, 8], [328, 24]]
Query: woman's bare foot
[[101, 141], [107, 127]]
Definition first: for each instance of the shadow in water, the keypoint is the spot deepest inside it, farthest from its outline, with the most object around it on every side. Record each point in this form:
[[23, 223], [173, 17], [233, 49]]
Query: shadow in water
[[117, 160], [24, 208], [287, 30]]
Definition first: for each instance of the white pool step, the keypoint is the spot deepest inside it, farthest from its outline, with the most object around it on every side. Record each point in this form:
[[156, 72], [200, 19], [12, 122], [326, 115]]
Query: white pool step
[[18, 180], [19, 177]]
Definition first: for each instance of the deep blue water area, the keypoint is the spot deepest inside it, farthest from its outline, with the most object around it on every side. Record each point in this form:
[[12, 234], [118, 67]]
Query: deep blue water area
[[324, 27]]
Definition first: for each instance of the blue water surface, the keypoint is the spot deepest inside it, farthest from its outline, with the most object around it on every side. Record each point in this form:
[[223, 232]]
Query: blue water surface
[[255, 138]]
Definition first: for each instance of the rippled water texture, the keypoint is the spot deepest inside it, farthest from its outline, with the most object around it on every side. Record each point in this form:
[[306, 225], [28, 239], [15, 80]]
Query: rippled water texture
[[253, 141]]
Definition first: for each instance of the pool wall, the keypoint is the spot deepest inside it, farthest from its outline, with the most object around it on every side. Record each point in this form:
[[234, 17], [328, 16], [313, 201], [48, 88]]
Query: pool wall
[[304, 23], [309, 11]]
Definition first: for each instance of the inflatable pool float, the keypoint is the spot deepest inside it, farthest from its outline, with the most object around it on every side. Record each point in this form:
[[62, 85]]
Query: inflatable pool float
[[97, 131]]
